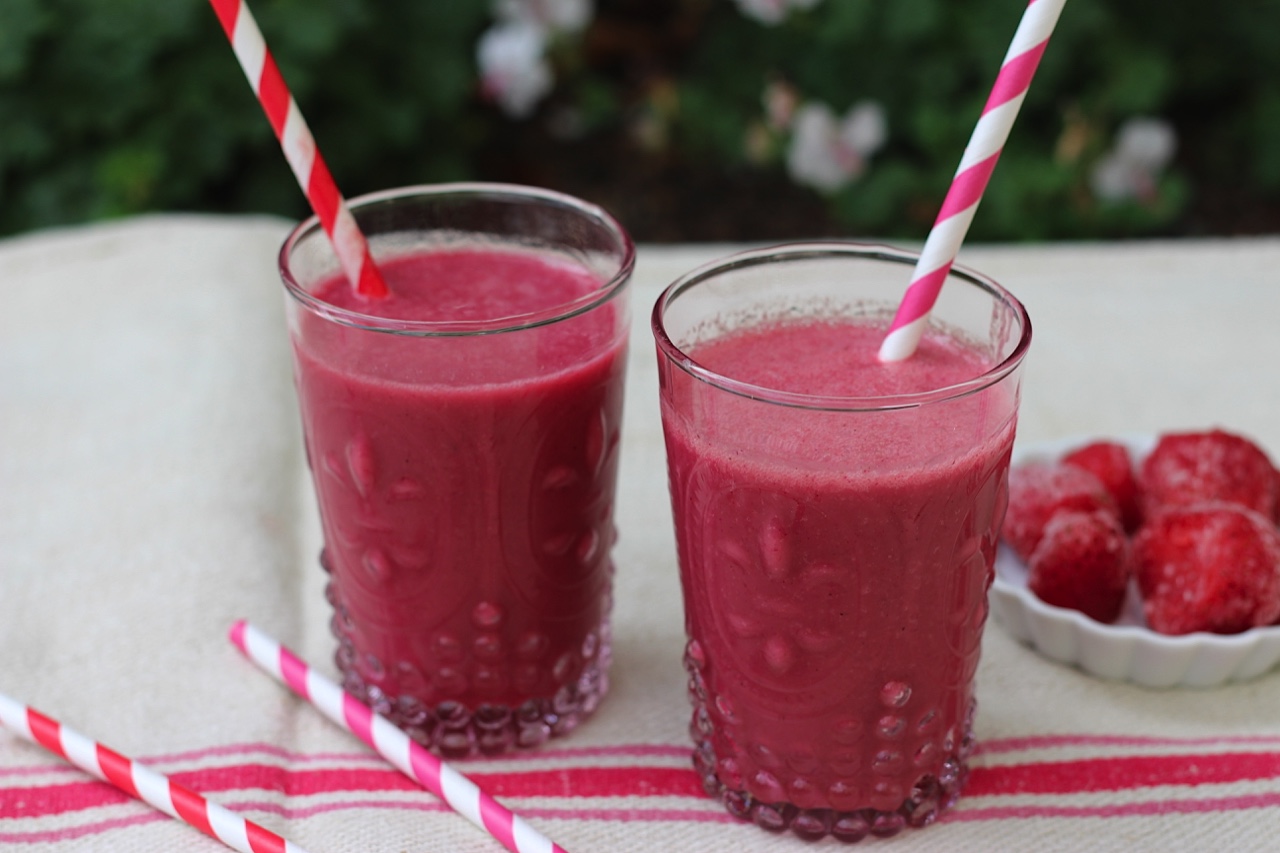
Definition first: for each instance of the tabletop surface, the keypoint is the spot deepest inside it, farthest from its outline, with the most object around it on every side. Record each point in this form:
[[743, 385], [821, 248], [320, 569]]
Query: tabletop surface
[[152, 491]]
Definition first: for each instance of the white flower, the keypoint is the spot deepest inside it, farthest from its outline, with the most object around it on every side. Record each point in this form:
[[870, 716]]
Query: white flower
[[780, 100], [513, 66], [569, 16], [512, 54], [772, 11], [827, 153], [1143, 148]]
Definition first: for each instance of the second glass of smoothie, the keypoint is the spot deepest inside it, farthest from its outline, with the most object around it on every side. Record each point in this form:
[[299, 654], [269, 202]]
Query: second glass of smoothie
[[463, 435], [836, 522]]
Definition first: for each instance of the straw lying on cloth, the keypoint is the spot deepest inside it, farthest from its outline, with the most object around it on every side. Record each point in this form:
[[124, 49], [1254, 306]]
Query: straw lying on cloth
[[970, 181], [299, 146], [462, 795], [139, 781]]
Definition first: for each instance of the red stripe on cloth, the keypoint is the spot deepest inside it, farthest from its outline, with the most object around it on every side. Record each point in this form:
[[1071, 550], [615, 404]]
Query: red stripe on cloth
[[273, 94], [71, 833], [227, 12], [967, 188], [191, 807], [1048, 778], [566, 754], [565, 782], [117, 769], [42, 800], [1125, 773], [1015, 77], [710, 813], [592, 782], [323, 193], [1147, 808], [1023, 744], [47, 731]]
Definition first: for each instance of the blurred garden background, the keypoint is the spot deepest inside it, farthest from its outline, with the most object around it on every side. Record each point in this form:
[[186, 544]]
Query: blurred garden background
[[691, 120]]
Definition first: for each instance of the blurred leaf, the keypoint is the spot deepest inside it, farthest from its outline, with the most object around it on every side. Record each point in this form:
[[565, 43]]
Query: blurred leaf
[[1266, 140], [911, 20], [128, 176], [21, 22]]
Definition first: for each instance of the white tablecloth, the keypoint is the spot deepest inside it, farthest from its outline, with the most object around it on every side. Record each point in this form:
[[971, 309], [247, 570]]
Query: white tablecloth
[[152, 490]]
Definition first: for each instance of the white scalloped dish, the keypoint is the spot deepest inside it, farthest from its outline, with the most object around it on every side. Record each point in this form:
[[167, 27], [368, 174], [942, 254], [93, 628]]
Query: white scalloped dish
[[1126, 650]]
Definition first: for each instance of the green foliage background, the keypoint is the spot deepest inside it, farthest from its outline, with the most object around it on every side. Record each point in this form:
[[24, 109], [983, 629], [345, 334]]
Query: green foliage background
[[114, 107]]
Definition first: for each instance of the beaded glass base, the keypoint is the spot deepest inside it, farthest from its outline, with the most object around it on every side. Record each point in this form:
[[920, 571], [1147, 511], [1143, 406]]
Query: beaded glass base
[[929, 796], [932, 795], [455, 730]]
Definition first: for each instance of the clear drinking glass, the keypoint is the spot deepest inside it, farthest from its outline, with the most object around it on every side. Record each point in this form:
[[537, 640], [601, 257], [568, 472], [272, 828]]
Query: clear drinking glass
[[836, 522], [463, 439]]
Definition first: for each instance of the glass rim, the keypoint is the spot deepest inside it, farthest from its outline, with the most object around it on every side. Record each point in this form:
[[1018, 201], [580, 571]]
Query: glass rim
[[516, 193], [839, 403]]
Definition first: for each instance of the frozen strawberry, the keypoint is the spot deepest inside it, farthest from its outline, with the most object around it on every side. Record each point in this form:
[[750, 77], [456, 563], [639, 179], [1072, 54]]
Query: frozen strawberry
[[1212, 566], [1082, 562], [1188, 468], [1039, 490], [1111, 463]]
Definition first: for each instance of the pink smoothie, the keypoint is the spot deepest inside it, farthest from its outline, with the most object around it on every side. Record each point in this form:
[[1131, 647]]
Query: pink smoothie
[[835, 605], [466, 489]]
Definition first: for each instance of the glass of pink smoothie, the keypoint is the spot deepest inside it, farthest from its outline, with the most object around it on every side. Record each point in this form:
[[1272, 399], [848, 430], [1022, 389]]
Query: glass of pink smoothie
[[462, 436], [836, 522]]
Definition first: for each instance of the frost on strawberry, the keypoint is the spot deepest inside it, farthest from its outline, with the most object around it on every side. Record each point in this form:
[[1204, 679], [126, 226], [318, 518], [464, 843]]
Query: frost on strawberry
[[1187, 468], [1112, 464], [1212, 566], [1040, 490], [1082, 562]]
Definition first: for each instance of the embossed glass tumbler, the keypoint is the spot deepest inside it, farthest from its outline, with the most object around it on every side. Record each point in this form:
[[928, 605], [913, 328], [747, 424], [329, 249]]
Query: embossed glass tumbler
[[462, 435], [836, 522]]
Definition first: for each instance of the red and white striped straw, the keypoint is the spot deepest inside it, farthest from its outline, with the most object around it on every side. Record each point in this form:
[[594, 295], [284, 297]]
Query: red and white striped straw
[[299, 147], [458, 792], [970, 181], [141, 782]]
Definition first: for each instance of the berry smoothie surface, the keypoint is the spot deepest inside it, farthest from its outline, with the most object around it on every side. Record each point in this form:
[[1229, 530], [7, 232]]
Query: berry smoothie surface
[[835, 567], [466, 490]]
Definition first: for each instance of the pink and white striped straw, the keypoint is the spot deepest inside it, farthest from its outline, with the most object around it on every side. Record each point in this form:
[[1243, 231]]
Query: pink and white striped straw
[[141, 782], [970, 181], [299, 147], [458, 792]]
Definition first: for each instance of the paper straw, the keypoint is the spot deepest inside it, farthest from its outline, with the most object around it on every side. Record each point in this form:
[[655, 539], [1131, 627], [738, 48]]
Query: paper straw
[[458, 792], [299, 147], [141, 782], [972, 175]]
